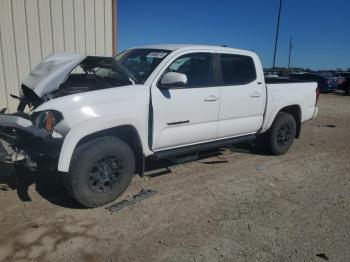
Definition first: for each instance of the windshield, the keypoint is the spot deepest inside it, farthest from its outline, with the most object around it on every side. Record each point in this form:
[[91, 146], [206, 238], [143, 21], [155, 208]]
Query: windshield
[[102, 69], [141, 62]]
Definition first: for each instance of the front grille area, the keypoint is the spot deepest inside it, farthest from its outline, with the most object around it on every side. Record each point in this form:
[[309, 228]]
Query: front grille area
[[3, 153]]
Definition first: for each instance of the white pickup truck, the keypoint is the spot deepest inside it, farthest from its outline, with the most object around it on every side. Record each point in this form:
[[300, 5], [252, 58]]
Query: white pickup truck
[[101, 117]]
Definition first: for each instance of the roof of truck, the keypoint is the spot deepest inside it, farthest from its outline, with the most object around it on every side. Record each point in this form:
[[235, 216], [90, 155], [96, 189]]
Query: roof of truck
[[173, 47]]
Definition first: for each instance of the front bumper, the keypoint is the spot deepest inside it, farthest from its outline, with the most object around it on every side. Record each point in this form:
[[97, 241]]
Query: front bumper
[[20, 141], [4, 153]]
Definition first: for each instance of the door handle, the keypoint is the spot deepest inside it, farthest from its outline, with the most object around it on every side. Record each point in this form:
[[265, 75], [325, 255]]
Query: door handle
[[211, 98], [255, 94]]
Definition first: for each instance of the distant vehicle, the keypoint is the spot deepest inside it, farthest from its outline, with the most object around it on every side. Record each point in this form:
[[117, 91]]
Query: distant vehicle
[[343, 81], [325, 83], [276, 75], [325, 73], [271, 75]]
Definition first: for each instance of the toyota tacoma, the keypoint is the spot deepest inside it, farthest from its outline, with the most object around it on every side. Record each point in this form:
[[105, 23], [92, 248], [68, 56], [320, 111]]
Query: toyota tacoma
[[101, 117]]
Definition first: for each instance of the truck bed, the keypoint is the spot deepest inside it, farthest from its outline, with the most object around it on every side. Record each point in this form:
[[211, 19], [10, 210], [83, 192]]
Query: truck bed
[[271, 80], [289, 92]]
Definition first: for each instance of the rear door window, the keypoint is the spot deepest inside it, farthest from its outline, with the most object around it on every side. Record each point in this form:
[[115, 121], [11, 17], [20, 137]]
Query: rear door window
[[237, 69]]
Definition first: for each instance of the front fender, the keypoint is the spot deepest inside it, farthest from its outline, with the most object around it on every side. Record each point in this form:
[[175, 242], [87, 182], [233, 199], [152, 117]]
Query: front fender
[[95, 125]]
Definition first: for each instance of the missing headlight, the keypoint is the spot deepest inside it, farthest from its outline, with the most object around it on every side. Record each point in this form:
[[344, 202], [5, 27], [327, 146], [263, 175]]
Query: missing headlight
[[47, 119]]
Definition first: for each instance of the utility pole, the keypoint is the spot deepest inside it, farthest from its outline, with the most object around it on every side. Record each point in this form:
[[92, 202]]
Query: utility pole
[[277, 31], [290, 51]]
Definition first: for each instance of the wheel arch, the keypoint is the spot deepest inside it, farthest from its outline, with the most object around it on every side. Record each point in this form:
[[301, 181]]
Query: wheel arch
[[127, 133], [295, 111]]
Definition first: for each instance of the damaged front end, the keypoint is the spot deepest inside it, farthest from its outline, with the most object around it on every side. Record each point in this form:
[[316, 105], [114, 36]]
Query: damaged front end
[[29, 139]]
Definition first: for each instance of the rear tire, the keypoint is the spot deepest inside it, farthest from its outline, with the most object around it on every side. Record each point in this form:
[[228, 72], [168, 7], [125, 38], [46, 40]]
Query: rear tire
[[100, 171], [281, 134]]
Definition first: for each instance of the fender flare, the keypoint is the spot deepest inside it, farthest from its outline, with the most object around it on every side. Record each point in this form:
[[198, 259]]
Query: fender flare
[[272, 115], [76, 134]]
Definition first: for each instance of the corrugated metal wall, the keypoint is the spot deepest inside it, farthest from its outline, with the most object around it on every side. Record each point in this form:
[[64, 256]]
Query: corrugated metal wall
[[33, 29]]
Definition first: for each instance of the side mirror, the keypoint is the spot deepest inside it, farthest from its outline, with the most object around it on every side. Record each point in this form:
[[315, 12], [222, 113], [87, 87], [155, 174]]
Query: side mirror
[[173, 80]]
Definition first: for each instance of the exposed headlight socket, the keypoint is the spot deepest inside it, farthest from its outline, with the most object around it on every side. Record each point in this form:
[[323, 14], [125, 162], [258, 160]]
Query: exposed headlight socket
[[47, 120]]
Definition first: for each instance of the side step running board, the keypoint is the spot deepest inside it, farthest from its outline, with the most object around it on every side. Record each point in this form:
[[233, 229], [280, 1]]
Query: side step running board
[[171, 153], [181, 159]]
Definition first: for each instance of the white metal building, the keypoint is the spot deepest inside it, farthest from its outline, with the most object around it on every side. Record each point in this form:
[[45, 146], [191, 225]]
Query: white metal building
[[32, 29]]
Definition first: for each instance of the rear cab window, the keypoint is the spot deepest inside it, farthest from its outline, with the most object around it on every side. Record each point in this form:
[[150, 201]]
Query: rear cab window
[[236, 69]]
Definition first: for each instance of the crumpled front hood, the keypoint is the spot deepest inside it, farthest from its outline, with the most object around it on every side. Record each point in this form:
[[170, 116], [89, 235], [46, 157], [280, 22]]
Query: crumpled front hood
[[47, 76]]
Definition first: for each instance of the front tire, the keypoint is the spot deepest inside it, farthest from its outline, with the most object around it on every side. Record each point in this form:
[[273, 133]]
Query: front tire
[[281, 134], [100, 171]]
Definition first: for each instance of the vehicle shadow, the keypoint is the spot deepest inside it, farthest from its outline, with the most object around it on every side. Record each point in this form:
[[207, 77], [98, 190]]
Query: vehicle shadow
[[249, 148], [163, 167], [208, 157], [48, 182], [8, 178]]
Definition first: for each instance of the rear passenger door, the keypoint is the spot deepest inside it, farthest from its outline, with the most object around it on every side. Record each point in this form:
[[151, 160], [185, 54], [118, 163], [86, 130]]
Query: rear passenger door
[[243, 95]]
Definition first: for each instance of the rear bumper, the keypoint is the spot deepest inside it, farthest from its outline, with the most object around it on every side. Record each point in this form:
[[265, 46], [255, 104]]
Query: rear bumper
[[20, 141], [315, 112]]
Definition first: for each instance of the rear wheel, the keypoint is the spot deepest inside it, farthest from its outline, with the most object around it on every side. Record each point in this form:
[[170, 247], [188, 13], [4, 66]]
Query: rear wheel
[[281, 134], [100, 171]]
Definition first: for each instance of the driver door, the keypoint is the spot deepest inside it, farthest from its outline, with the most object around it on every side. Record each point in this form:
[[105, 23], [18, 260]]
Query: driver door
[[186, 115]]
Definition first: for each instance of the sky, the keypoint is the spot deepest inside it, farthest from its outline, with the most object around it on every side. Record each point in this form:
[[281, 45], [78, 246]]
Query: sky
[[320, 28]]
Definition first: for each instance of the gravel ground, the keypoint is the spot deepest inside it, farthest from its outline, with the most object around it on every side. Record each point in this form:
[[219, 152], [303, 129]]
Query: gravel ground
[[236, 205]]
